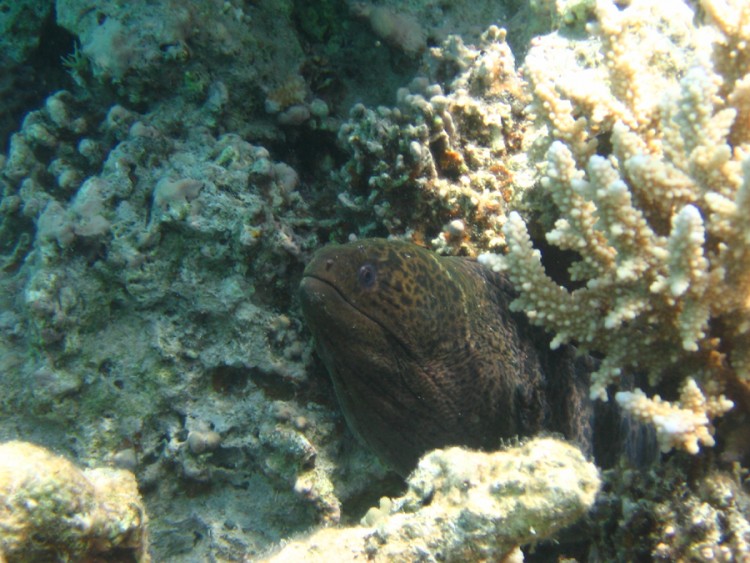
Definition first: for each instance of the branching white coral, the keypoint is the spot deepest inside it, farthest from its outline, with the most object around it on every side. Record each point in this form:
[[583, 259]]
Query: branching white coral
[[661, 222], [685, 423]]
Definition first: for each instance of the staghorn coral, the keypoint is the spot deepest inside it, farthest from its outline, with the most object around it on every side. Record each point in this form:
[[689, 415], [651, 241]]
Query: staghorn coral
[[51, 510], [660, 224], [683, 424]]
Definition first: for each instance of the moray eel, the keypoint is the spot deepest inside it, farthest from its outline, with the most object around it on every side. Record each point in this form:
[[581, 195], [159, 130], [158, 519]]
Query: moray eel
[[424, 352]]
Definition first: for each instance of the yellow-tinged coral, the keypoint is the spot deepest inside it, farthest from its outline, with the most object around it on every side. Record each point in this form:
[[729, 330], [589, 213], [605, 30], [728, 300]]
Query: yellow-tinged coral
[[456, 147], [683, 424], [51, 510], [464, 505], [650, 173]]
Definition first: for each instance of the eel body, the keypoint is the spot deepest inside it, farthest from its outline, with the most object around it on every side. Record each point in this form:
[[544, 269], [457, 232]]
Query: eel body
[[424, 352]]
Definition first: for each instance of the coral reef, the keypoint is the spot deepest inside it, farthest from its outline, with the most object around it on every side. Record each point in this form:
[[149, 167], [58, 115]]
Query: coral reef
[[154, 223], [463, 505], [143, 51], [32, 69], [157, 215], [649, 174], [50, 510], [673, 512], [408, 28], [449, 154], [570, 14], [147, 265]]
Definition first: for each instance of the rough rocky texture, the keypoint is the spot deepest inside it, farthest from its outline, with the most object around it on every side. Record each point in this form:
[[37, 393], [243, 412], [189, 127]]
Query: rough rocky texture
[[150, 261], [673, 512], [21, 22], [145, 51], [147, 270], [445, 163], [466, 506], [31, 47], [50, 510]]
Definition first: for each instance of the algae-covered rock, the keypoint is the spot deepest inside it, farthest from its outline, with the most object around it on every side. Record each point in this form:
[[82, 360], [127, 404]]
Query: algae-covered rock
[[463, 505], [50, 510], [21, 23]]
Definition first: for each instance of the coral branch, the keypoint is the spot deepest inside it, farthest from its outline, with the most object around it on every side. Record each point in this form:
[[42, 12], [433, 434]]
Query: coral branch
[[659, 217]]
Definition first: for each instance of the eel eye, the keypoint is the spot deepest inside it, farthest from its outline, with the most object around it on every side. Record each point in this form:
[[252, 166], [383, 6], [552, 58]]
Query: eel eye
[[366, 276]]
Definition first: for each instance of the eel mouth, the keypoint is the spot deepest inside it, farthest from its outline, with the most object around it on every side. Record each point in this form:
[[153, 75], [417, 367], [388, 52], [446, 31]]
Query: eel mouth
[[325, 307], [322, 298]]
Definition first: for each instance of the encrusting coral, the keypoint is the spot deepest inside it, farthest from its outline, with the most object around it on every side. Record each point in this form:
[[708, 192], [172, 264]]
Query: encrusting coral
[[649, 172], [675, 511], [449, 153], [51, 510], [463, 505]]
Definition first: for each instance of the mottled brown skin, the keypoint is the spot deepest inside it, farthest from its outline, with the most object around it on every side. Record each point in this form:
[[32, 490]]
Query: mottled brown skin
[[424, 352]]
